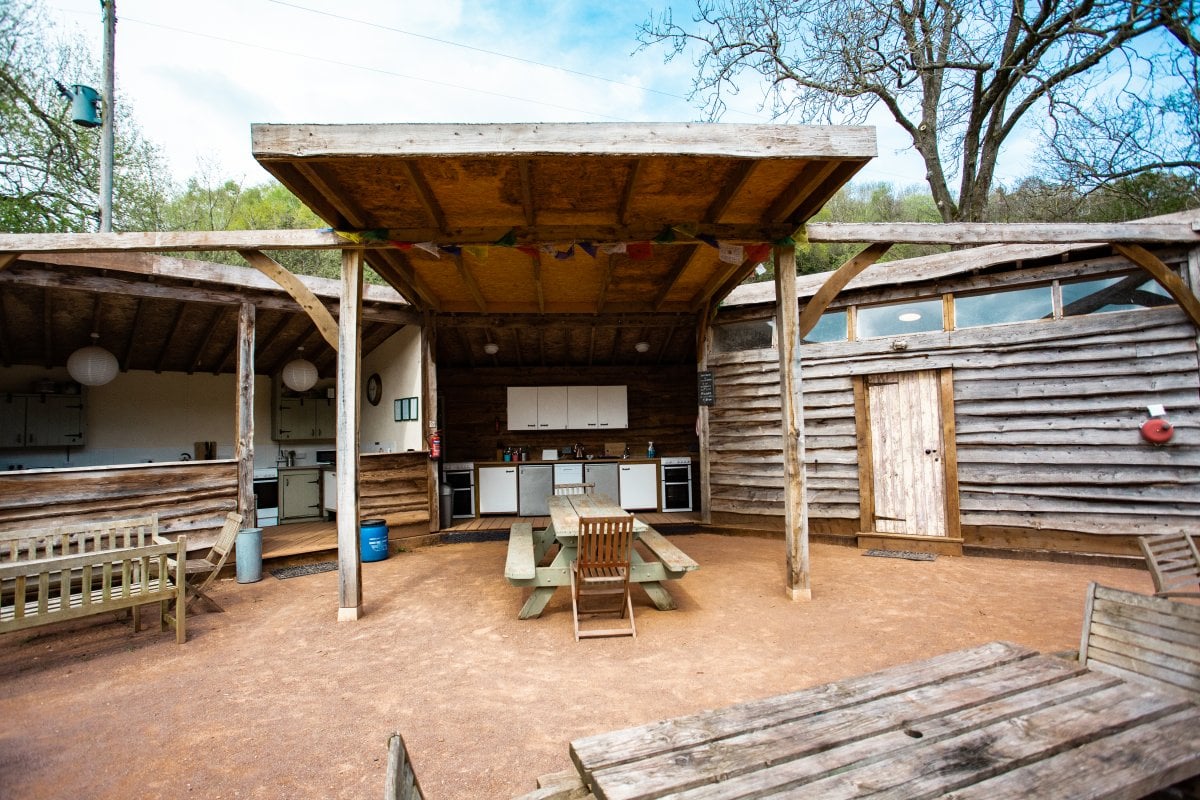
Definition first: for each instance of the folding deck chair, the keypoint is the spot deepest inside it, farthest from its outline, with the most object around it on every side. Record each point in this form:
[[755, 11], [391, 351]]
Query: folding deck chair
[[1174, 564], [210, 566], [600, 573]]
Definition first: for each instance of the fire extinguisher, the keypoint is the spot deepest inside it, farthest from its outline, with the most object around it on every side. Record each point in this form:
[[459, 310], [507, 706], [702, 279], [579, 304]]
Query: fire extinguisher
[[435, 445]]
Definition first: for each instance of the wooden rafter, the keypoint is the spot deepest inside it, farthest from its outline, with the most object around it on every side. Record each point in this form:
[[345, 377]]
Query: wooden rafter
[[810, 177], [465, 344], [47, 330], [528, 208], [835, 283], [6, 259], [264, 343], [627, 192], [722, 282], [823, 193], [591, 353], [138, 317], [682, 260], [5, 347], [299, 345], [304, 296], [469, 280], [729, 190], [1174, 285], [215, 323], [424, 194], [606, 281], [536, 259], [664, 348], [394, 267], [331, 193], [165, 349], [517, 347]]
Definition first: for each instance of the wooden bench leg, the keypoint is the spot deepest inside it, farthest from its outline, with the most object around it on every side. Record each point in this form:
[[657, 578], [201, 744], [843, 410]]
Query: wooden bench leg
[[536, 603], [658, 595]]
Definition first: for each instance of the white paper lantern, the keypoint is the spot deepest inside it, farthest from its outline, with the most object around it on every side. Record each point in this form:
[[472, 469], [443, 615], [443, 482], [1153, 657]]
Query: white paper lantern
[[299, 375], [92, 365]]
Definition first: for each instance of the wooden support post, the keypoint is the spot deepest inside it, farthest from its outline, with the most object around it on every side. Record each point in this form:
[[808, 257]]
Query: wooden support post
[[348, 368], [429, 401], [704, 344], [795, 504], [245, 415]]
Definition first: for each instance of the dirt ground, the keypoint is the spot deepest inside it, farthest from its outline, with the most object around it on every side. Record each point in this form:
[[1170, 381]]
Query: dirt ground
[[276, 699]]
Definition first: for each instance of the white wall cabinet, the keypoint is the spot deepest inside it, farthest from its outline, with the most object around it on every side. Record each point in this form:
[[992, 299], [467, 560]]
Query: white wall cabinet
[[41, 420], [548, 408]]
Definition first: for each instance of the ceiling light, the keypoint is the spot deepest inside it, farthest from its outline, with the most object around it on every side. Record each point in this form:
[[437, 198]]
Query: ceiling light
[[909, 316], [92, 365], [491, 348], [300, 374], [642, 347]]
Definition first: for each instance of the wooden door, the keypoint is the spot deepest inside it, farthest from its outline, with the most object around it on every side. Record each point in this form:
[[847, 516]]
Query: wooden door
[[908, 476]]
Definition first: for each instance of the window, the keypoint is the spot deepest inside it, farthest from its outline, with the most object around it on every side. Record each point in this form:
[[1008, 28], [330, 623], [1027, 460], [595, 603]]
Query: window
[[1114, 293], [898, 319], [831, 327], [738, 336], [1006, 305], [407, 409]]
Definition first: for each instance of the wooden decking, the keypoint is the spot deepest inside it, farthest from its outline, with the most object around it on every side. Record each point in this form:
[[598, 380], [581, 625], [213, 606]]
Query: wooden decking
[[302, 538]]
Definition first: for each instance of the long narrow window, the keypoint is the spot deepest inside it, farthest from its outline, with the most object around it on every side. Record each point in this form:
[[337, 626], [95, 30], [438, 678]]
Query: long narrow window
[[1113, 293], [999, 307], [898, 319], [831, 327]]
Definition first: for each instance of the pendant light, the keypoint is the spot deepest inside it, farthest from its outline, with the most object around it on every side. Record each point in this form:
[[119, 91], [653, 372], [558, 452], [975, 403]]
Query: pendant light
[[299, 374], [92, 365]]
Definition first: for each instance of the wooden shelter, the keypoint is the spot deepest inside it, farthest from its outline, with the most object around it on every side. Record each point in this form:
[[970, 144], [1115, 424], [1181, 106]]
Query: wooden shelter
[[560, 254]]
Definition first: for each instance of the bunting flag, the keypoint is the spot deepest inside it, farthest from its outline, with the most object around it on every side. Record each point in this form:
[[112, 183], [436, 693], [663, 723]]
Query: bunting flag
[[452, 249], [401, 245], [588, 248], [665, 237], [711, 241], [614, 247], [639, 251], [428, 247], [730, 253], [508, 240], [477, 251], [758, 252], [529, 250], [565, 255]]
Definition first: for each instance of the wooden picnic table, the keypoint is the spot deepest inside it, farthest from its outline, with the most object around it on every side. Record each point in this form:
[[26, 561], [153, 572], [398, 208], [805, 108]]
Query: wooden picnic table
[[995, 721], [527, 548]]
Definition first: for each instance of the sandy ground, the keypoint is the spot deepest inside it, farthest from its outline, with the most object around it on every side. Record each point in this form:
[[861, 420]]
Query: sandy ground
[[276, 699]]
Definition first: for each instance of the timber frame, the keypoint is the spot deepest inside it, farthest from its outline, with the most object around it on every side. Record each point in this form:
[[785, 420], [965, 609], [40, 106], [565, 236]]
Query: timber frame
[[470, 224]]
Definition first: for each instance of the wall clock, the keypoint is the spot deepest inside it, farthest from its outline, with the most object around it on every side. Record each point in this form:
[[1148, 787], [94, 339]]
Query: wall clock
[[374, 389]]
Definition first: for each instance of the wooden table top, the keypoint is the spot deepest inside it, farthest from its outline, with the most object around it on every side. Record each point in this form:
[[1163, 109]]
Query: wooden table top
[[994, 721], [566, 509]]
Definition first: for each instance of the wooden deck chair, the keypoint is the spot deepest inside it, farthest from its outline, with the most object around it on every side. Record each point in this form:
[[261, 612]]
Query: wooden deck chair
[[600, 573], [401, 779], [208, 568], [1174, 564], [574, 488]]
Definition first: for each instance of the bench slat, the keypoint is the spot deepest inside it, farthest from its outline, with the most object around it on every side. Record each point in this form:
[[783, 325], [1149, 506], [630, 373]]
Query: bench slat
[[674, 559], [520, 564]]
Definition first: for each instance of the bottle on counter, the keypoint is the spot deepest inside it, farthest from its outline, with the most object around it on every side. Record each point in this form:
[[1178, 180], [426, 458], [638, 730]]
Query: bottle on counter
[[650, 450], [626, 453], [508, 454]]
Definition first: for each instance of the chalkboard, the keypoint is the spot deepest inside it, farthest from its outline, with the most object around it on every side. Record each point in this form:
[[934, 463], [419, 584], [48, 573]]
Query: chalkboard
[[706, 389]]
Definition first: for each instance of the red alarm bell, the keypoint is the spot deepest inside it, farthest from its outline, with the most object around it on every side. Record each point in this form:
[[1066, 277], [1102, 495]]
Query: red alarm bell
[[1157, 430]]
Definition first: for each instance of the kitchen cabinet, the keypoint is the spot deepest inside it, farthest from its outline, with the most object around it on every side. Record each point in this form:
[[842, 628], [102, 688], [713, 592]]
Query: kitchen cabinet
[[548, 408], [639, 486], [537, 408], [305, 418], [299, 494], [41, 420], [604, 476], [497, 488]]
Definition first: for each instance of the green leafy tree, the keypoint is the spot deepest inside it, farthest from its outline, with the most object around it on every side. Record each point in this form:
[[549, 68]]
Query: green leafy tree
[[50, 167], [1110, 84]]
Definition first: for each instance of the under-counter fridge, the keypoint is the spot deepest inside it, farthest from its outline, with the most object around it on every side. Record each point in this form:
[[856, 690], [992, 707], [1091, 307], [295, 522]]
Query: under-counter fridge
[[605, 478], [536, 484]]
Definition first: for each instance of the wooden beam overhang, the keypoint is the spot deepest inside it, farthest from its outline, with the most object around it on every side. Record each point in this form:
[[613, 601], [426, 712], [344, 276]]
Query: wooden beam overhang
[[683, 259], [539, 292], [139, 310], [820, 301], [6, 259], [215, 322], [469, 280], [784, 207], [165, 349], [394, 267], [970, 233], [328, 192], [1174, 285], [304, 296], [424, 194], [528, 209], [628, 190]]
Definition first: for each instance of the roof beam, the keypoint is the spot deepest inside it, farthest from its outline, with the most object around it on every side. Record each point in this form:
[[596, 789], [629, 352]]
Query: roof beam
[[790, 199], [219, 315], [525, 170], [467, 278], [536, 259], [394, 267], [682, 260], [329, 194], [166, 340], [6, 259], [972, 233], [47, 329], [729, 189], [5, 348], [1166, 277], [138, 313], [308, 301], [820, 301], [627, 192], [424, 193]]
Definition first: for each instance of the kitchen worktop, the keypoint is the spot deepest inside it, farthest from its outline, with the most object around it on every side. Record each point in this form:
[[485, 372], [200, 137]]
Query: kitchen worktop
[[535, 461]]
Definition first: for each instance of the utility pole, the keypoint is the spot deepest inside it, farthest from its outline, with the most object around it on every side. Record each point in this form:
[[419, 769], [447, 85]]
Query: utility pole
[[108, 120]]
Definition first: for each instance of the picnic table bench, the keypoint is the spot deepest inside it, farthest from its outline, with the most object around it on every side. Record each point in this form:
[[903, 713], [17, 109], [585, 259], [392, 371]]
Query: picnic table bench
[[60, 588], [991, 722], [527, 548]]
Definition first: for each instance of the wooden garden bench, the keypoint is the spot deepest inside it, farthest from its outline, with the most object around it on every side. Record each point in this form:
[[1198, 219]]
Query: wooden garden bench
[[61, 588], [31, 544], [521, 562]]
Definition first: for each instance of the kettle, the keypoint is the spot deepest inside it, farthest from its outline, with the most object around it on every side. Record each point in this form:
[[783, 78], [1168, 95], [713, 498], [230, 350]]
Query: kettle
[[578, 450]]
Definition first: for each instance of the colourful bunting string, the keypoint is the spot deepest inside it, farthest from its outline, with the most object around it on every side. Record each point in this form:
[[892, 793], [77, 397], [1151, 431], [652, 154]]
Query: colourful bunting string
[[639, 251], [565, 255], [588, 248], [757, 252], [665, 237], [730, 253], [477, 251], [507, 240]]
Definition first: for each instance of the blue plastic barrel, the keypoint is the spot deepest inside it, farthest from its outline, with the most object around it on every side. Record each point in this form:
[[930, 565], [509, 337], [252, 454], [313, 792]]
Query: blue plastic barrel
[[373, 540], [248, 553]]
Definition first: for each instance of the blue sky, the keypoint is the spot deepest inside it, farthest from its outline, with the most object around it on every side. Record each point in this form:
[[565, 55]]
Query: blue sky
[[197, 75]]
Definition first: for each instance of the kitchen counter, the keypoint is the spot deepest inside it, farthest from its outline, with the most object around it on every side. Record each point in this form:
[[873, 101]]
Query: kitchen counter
[[606, 460]]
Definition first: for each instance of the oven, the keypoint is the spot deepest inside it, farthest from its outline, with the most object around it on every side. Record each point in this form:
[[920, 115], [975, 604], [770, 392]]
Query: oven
[[266, 497], [676, 484], [460, 477]]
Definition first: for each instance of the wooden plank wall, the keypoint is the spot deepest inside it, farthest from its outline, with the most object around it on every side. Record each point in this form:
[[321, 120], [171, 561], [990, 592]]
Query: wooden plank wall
[[1047, 418], [394, 486], [190, 497], [662, 409]]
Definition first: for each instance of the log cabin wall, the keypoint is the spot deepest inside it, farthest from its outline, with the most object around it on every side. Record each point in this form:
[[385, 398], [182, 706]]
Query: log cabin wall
[[474, 413], [190, 498], [394, 486], [1047, 416]]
